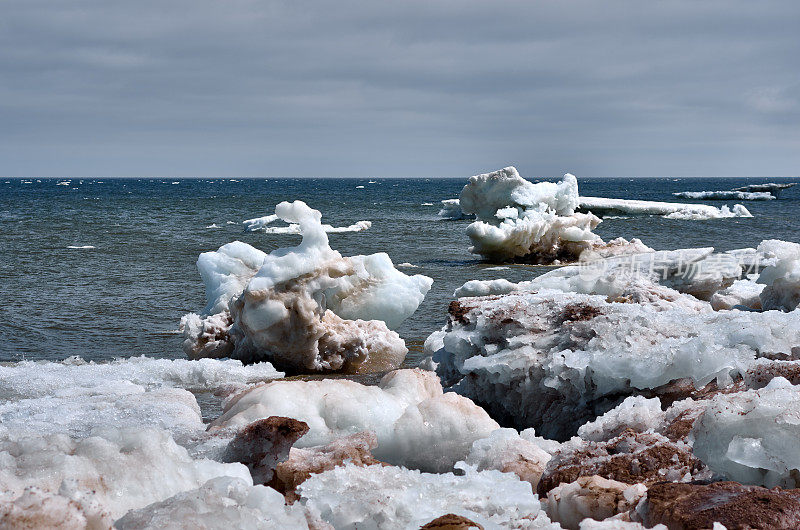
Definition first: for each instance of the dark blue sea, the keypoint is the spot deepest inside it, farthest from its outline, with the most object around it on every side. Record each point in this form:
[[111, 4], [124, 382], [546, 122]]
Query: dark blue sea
[[125, 296]]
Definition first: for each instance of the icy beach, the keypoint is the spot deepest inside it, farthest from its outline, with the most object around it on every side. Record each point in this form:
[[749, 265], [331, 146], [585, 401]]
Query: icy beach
[[597, 379]]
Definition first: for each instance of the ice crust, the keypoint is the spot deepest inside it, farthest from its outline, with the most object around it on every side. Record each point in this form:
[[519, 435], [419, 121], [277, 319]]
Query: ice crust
[[377, 497], [554, 360], [417, 425], [305, 308]]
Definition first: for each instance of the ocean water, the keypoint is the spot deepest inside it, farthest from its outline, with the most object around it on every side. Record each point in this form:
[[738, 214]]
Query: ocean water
[[126, 294]]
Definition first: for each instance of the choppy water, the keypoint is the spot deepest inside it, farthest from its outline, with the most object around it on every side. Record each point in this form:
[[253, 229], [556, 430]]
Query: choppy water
[[126, 295]]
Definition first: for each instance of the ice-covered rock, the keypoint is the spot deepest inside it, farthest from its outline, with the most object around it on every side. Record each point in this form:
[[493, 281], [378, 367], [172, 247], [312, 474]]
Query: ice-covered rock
[[219, 503], [261, 224], [451, 209], [591, 497], [354, 449], [751, 436], [630, 458], [124, 468], [417, 425], [781, 279], [305, 308], [516, 219], [378, 497], [603, 206], [729, 195], [554, 360]]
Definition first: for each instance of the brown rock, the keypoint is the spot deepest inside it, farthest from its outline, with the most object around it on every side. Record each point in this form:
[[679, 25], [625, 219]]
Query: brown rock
[[451, 521], [302, 463], [631, 458], [264, 443], [694, 506]]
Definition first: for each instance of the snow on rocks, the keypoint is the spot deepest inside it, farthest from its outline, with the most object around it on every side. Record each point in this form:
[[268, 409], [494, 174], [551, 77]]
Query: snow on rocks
[[219, 503], [510, 452], [518, 220], [374, 497], [305, 308], [554, 360], [417, 425], [603, 206], [591, 497]]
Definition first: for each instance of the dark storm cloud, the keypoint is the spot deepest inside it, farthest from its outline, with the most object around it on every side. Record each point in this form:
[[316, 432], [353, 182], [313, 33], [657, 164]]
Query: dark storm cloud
[[203, 87]]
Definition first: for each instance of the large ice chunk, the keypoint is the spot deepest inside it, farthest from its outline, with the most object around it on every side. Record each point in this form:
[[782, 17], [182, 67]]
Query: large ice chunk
[[417, 425], [305, 308], [603, 206], [751, 437], [374, 497], [553, 360], [782, 279]]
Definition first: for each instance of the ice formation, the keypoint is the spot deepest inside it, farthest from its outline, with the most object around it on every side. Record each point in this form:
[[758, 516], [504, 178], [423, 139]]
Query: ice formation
[[305, 308], [219, 503], [603, 206], [591, 497], [782, 279], [516, 219], [507, 451], [751, 436], [261, 224], [743, 293], [376, 497], [725, 195], [417, 425], [553, 360], [770, 187], [451, 209]]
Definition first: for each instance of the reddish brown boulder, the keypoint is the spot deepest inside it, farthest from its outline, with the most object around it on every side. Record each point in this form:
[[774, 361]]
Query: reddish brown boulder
[[451, 521], [264, 443], [694, 506]]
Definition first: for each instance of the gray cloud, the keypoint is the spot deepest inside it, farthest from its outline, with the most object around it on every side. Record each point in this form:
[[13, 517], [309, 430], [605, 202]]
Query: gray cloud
[[423, 88]]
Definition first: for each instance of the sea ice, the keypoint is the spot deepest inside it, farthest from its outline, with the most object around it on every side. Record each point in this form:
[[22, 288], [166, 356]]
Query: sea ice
[[603, 206], [261, 224], [306, 308], [417, 425], [725, 195], [451, 209], [782, 279]]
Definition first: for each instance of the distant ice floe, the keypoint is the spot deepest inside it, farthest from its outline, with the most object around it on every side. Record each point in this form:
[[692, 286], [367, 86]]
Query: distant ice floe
[[672, 210], [261, 224], [306, 308], [213, 226], [537, 223], [451, 209], [80, 247], [726, 195], [770, 187]]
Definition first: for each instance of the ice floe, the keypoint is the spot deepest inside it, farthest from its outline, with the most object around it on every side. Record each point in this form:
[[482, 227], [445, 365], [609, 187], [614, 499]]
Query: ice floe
[[451, 209], [305, 308], [603, 206], [261, 224], [725, 195]]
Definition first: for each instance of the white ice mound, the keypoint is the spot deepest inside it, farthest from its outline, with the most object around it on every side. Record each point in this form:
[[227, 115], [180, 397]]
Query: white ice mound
[[770, 187], [262, 224], [726, 195], [781, 279], [603, 206], [751, 437], [223, 502], [120, 469], [553, 360], [516, 219], [376, 497], [417, 425], [306, 308], [451, 209]]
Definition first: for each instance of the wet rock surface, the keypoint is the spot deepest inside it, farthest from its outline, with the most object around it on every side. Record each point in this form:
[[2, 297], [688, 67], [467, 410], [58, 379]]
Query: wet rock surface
[[264, 443]]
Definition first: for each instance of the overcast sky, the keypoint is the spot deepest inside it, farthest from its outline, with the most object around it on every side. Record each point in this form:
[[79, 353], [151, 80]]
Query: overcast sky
[[405, 88]]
